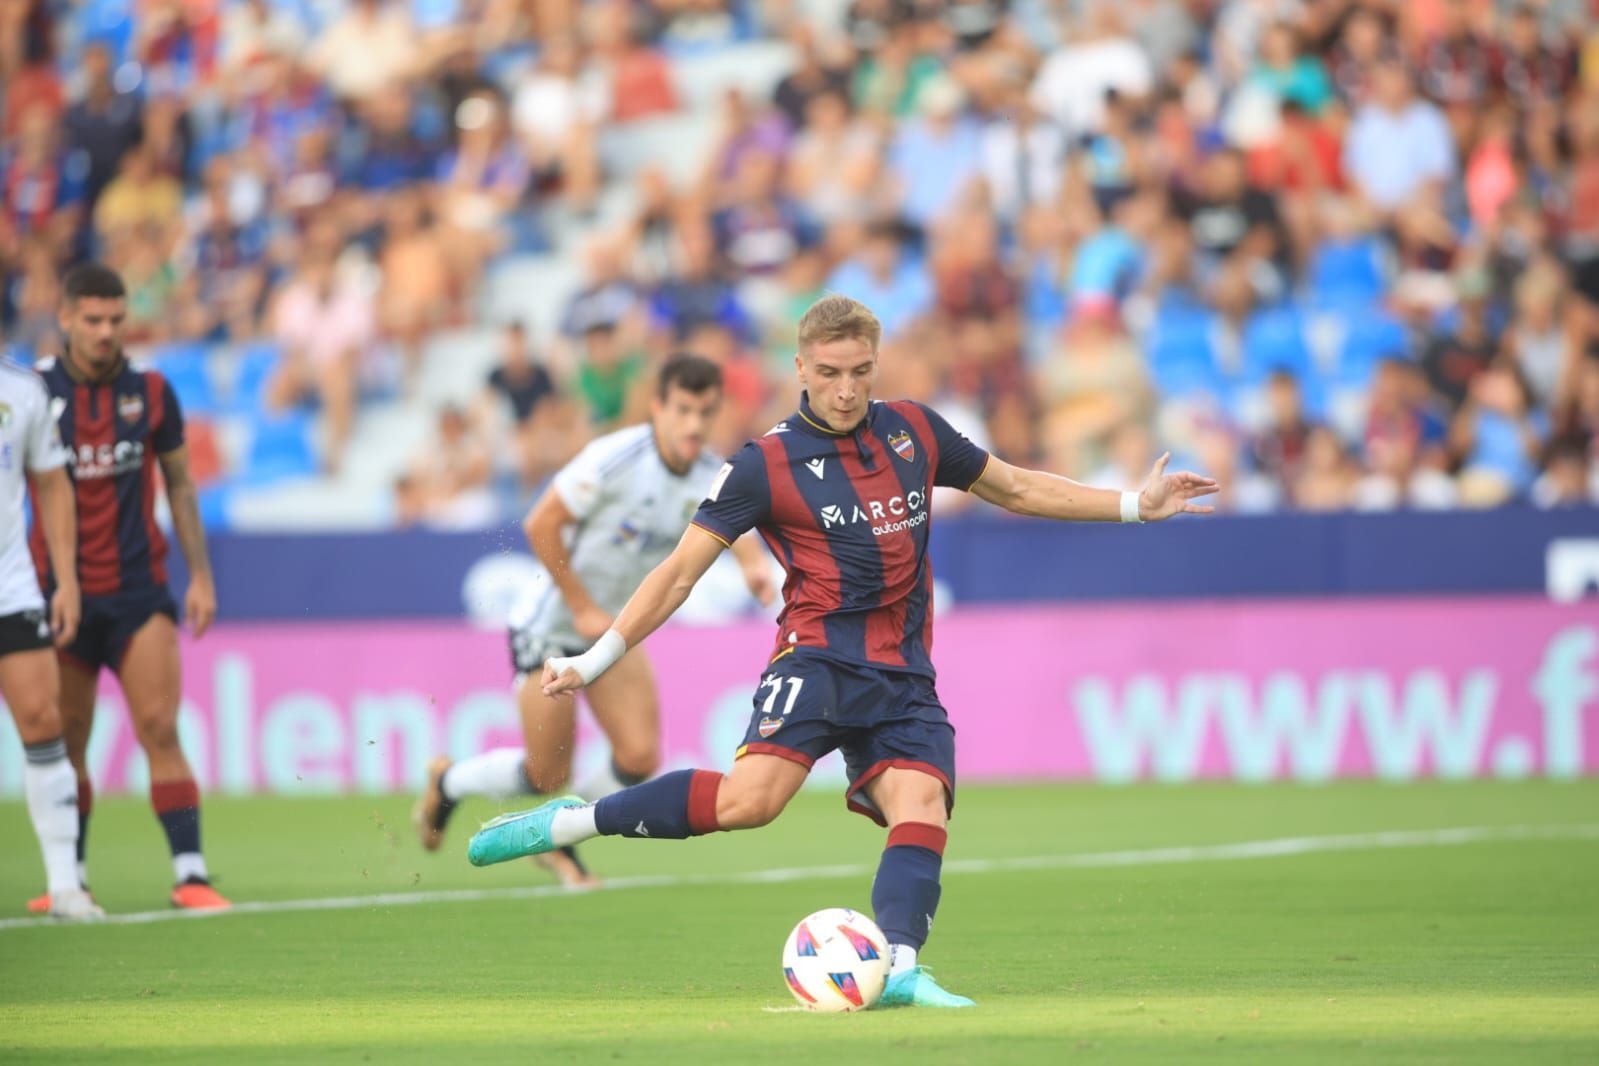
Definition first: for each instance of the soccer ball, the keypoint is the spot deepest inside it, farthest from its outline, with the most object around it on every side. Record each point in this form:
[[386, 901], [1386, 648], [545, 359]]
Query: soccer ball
[[836, 960]]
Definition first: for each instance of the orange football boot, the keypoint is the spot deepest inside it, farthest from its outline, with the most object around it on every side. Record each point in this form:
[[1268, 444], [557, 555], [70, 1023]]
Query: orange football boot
[[197, 895]]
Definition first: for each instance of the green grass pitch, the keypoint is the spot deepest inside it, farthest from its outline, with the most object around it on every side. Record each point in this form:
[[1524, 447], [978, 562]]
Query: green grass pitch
[[1478, 951]]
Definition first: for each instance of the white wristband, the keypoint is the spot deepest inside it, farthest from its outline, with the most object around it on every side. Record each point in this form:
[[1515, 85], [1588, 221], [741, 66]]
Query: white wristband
[[1130, 506], [594, 662]]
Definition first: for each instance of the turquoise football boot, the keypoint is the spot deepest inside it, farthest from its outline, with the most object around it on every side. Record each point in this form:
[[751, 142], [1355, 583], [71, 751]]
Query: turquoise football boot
[[511, 836], [916, 988]]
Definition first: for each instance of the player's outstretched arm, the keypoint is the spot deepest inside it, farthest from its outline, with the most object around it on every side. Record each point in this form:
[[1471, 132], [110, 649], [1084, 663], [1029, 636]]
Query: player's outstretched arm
[[1033, 492], [59, 514], [657, 598]]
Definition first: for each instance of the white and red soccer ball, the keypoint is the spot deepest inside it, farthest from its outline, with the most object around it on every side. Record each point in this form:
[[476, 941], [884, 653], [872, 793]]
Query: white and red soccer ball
[[836, 960]]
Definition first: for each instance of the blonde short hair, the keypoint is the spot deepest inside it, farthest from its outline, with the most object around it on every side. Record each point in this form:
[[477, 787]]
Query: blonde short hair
[[838, 318]]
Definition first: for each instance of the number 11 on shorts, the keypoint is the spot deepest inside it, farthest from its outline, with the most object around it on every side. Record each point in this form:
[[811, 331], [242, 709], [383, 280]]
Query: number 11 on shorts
[[776, 685]]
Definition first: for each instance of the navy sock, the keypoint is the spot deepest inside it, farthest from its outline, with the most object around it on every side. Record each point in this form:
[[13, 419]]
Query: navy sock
[[906, 890], [177, 805], [670, 807]]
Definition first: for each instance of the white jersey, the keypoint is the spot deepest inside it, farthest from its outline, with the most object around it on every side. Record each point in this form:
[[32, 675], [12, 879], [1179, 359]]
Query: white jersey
[[631, 511], [29, 443]]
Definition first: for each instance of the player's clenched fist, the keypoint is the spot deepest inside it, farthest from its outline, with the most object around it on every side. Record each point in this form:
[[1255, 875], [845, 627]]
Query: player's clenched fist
[[561, 678]]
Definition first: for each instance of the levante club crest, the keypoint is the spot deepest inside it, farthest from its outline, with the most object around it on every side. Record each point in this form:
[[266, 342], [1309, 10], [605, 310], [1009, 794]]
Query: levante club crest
[[130, 407], [903, 446]]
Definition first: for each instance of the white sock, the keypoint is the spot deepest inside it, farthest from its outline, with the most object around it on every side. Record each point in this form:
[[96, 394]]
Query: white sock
[[573, 825], [83, 871], [600, 783], [496, 774], [902, 958], [51, 786], [187, 864]]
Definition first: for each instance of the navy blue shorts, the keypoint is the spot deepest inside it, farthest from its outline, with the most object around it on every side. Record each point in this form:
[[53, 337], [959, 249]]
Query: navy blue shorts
[[109, 623], [808, 705]]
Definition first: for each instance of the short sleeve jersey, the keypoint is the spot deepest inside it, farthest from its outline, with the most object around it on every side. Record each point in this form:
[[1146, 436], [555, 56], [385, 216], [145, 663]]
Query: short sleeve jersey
[[29, 444], [631, 511], [847, 515]]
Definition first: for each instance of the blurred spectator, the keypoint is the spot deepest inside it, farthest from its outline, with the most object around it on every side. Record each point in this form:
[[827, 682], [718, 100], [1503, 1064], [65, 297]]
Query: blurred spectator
[[609, 378], [746, 130], [368, 49], [1278, 452], [417, 294], [1234, 224], [255, 29], [697, 294], [1091, 389], [760, 229], [554, 111], [1455, 356], [140, 201], [835, 161], [1073, 81], [1567, 480], [1530, 66], [818, 73], [1288, 74], [452, 475], [521, 387], [935, 159], [607, 299], [1398, 144], [1497, 438], [891, 77], [1367, 42], [637, 78], [1023, 156], [1456, 63], [1406, 464], [884, 277], [326, 320], [39, 193], [102, 126], [480, 184], [1326, 478]]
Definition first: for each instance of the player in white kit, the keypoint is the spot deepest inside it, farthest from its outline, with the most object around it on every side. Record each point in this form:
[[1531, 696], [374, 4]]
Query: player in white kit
[[30, 682], [609, 517]]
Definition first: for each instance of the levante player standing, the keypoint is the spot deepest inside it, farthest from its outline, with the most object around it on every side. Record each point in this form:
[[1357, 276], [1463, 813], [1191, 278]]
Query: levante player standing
[[119, 423], [840, 493]]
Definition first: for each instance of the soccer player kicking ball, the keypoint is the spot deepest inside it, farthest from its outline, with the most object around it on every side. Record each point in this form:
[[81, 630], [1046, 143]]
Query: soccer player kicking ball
[[609, 518], [840, 493], [30, 446], [119, 423]]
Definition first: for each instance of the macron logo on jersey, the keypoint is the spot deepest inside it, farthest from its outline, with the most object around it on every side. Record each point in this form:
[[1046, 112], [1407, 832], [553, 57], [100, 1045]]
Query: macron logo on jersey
[[815, 466], [894, 515]]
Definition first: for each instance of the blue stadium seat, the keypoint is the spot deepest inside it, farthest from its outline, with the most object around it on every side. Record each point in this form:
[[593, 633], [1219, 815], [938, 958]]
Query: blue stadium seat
[[253, 364], [1180, 349], [1274, 339], [1346, 270], [1368, 340], [280, 448], [187, 368]]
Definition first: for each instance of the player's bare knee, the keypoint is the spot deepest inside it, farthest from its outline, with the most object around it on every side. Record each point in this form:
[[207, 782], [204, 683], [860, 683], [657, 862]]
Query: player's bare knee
[[159, 736], [546, 775], [747, 808], [37, 720], [635, 764]]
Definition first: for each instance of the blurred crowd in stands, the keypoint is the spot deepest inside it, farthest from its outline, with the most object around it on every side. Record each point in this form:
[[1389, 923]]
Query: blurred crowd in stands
[[1337, 253]]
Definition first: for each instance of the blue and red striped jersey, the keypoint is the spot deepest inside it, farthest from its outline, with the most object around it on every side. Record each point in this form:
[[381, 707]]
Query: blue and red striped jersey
[[847, 515], [114, 431]]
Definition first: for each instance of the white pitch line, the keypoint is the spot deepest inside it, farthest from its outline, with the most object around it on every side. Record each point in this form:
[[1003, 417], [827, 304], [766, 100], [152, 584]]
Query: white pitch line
[[1248, 849]]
